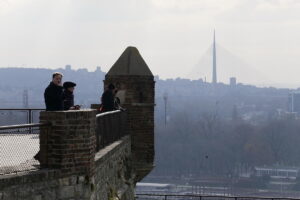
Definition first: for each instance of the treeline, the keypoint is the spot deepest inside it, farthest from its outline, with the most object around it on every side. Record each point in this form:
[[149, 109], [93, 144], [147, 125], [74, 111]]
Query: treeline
[[212, 146]]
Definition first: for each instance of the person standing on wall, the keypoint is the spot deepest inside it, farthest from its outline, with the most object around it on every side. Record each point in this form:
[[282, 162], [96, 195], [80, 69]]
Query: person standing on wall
[[54, 93], [68, 96], [53, 96], [108, 99]]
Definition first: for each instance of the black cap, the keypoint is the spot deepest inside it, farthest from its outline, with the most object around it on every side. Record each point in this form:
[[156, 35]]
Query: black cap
[[69, 84]]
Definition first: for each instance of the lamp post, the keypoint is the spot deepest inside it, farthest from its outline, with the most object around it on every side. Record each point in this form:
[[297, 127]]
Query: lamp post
[[165, 101]]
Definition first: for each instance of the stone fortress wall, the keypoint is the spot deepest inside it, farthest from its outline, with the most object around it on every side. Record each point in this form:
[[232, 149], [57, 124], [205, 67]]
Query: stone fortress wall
[[70, 166]]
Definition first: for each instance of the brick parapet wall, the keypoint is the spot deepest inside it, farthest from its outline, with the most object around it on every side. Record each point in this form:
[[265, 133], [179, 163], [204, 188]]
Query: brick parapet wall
[[70, 144]]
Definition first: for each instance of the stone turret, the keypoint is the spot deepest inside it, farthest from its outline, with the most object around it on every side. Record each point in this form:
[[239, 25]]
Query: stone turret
[[135, 83]]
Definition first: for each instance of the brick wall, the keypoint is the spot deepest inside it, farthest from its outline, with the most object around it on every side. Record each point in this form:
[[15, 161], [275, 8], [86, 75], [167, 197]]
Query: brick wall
[[70, 145]]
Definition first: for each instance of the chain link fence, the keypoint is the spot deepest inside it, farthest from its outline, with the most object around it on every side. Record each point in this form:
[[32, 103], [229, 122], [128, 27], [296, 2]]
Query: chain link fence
[[18, 146]]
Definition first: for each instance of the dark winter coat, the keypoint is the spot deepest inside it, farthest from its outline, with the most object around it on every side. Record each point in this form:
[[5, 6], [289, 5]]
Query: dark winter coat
[[108, 101], [68, 99], [54, 97]]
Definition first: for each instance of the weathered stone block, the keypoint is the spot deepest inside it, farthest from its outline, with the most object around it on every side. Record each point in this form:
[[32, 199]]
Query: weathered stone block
[[66, 192], [37, 197]]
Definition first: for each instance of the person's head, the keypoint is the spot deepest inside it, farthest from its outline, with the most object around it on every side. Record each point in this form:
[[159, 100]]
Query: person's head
[[56, 78], [111, 86], [70, 86]]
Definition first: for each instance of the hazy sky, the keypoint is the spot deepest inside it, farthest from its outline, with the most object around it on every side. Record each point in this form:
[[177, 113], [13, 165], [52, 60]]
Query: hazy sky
[[171, 35]]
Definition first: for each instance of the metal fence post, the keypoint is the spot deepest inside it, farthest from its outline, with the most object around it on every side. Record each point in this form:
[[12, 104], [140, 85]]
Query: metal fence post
[[30, 119], [29, 116]]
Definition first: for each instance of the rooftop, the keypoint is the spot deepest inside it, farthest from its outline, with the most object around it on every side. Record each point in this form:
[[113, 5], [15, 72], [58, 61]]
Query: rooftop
[[130, 63]]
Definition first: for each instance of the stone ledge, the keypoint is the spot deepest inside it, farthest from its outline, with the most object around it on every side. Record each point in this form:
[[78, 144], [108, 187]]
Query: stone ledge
[[65, 115], [28, 177], [73, 111], [104, 154]]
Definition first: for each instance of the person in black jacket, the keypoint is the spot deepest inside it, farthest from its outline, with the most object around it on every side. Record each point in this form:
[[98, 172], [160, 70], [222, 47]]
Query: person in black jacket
[[53, 97], [68, 95], [108, 99], [54, 93]]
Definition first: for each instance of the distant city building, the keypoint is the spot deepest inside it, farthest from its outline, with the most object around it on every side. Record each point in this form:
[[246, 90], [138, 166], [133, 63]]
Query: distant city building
[[283, 114], [277, 172], [68, 67], [82, 70], [201, 80], [294, 102], [98, 69], [154, 187], [232, 81]]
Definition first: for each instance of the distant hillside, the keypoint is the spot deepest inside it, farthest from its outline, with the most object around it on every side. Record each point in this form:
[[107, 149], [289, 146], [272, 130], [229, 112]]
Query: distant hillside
[[13, 81]]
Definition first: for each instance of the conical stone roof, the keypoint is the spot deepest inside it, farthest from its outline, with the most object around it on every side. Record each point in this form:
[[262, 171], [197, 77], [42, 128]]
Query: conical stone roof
[[130, 63]]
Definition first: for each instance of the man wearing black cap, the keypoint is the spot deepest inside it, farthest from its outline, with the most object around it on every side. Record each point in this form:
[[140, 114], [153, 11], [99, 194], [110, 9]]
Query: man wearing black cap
[[68, 95]]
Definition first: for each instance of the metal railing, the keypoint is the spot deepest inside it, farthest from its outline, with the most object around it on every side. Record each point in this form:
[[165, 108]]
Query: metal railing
[[110, 127], [18, 146], [204, 197], [9, 116]]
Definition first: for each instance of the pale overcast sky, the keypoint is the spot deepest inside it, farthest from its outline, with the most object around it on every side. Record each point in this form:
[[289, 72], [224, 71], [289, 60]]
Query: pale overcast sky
[[171, 35]]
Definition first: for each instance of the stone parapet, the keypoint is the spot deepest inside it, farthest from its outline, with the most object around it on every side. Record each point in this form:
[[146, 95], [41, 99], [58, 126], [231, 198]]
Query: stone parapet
[[45, 185], [114, 175]]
